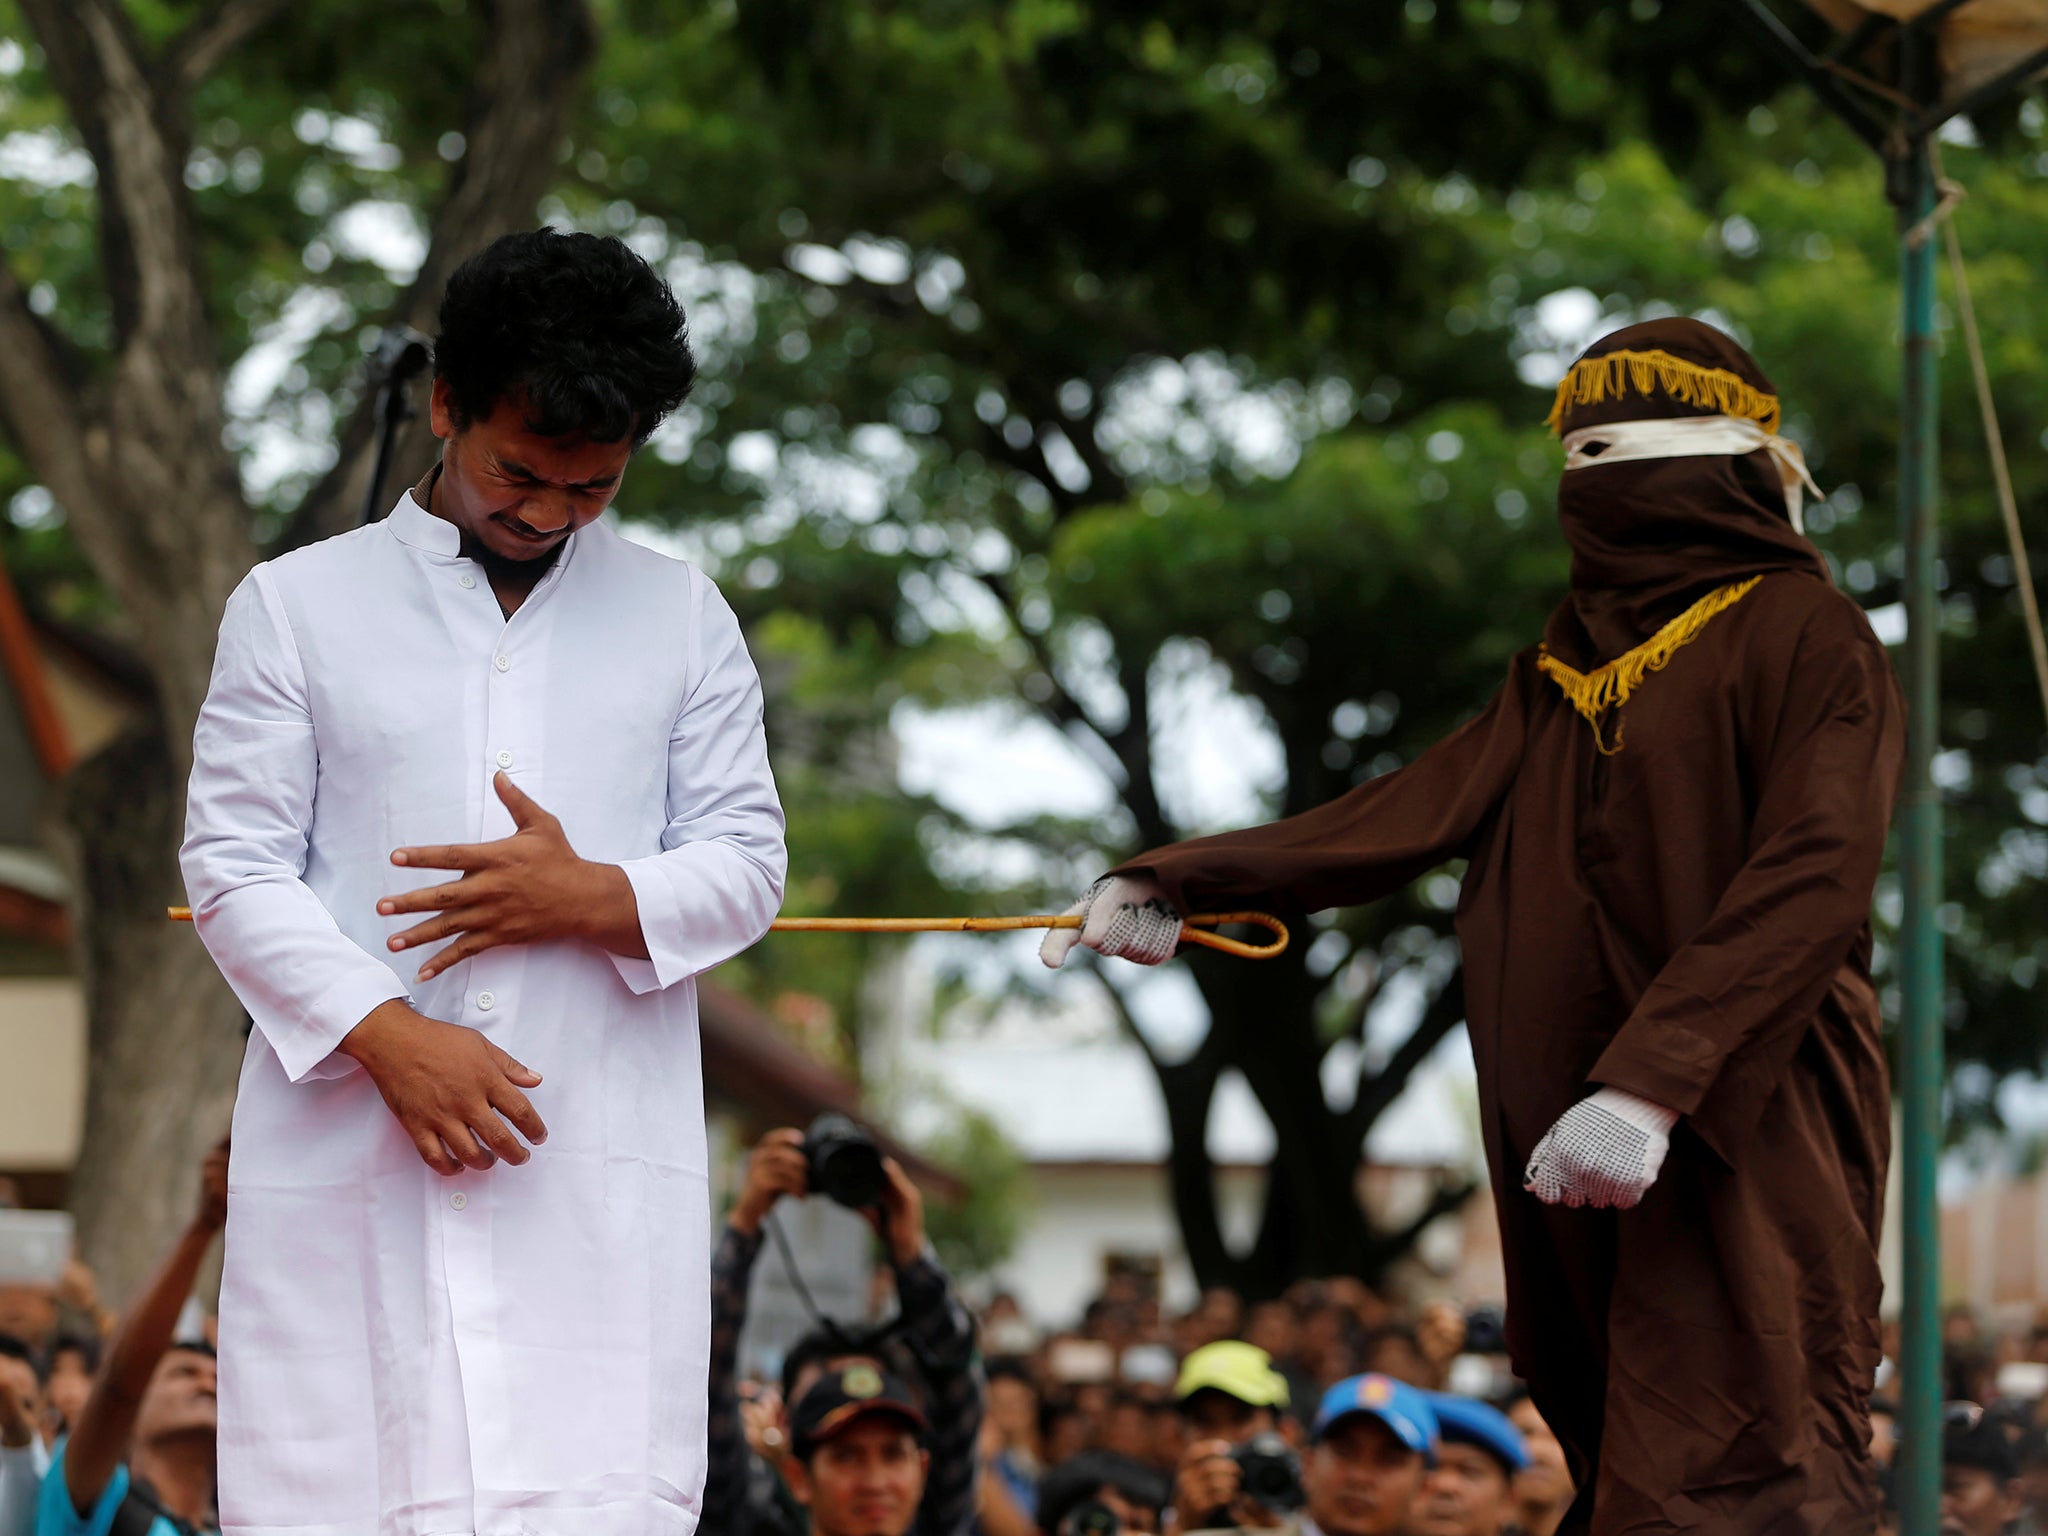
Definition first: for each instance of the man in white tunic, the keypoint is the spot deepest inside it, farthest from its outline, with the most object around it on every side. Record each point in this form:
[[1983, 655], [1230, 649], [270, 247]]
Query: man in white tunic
[[477, 792]]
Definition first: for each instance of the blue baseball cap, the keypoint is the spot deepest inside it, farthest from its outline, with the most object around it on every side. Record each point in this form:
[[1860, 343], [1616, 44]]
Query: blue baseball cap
[[1467, 1421], [1403, 1409]]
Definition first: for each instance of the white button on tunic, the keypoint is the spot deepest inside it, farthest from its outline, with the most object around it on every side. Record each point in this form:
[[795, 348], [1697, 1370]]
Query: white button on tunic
[[524, 1353]]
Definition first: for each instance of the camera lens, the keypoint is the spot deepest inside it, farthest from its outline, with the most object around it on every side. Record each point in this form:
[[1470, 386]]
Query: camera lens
[[844, 1163]]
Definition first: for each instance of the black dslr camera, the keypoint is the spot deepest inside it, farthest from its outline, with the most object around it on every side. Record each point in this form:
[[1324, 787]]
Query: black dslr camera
[[1271, 1474], [843, 1163]]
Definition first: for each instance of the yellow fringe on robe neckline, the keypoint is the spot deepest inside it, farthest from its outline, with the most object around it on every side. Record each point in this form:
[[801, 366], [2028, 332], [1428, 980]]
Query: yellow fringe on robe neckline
[[1613, 374], [1607, 687]]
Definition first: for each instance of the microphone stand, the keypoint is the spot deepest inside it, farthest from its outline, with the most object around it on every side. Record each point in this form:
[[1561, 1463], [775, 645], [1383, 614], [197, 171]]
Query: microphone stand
[[402, 356]]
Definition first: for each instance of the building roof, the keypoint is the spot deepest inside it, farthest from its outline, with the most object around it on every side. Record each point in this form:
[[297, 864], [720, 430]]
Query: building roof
[[1099, 1102]]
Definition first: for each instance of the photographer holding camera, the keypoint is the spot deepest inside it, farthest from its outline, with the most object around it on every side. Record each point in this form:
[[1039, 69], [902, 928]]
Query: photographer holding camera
[[1238, 1469], [840, 1161]]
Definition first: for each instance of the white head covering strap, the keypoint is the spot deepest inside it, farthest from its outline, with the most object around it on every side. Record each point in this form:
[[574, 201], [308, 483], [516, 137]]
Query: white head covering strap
[[1683, 437]]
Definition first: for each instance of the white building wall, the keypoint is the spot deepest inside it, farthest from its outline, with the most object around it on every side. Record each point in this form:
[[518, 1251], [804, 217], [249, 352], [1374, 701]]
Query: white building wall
[[1083, 1214], [42, 1071]]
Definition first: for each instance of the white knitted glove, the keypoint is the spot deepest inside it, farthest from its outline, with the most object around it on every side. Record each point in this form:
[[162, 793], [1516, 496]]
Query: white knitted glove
[[1603, 1151], [1123, 916]]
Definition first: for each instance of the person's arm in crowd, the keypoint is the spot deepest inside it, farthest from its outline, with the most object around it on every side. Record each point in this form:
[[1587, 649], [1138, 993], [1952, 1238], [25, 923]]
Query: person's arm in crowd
[[941, 1333], [79, 1290], [23, 1461], [99, 1440], [775, 1169], [995, 1508]]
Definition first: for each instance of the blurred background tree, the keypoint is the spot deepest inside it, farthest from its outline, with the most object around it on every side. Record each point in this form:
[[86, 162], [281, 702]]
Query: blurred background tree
[[1173, 386]]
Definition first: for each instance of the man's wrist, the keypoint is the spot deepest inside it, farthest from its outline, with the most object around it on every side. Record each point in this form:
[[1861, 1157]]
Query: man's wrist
[[364, 1040], [608, 911]]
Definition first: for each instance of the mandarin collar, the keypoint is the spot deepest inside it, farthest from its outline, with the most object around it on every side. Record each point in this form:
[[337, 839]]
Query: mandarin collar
[[412, 524]]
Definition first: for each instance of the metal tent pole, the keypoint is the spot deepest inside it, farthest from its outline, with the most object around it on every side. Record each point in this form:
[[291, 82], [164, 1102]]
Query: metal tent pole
[[1919, 845]]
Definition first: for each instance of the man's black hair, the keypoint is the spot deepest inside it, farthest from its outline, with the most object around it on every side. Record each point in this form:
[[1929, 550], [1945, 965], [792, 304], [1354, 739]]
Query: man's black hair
[[579, 324], [12, 1348], [1009, 1367]]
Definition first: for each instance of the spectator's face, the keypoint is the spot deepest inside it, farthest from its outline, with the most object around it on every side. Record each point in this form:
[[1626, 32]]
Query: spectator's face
[[1465, 1494], [1271, 1328], [1130, 1431], [1975, 1503], [1169, 1436], [181, 1398], [865, 1481], [29, 1312], [1213, 1415], [1013, 1409], [69, 1386], [1396, 1356], [1360, 1480], [1547, 1481], [1884, 1438], [1066, 1436]]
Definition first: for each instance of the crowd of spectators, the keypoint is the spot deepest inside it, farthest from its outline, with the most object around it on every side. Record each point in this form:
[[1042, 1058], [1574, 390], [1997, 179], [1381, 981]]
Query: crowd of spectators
[[1329, 1410]]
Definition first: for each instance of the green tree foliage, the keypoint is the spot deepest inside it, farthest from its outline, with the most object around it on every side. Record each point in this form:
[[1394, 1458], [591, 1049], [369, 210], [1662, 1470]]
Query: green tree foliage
[[977, 1233]]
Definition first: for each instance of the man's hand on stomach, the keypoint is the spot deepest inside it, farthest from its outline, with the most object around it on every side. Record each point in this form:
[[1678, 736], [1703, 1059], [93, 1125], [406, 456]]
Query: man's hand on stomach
[[523, 889], [448, 1086]]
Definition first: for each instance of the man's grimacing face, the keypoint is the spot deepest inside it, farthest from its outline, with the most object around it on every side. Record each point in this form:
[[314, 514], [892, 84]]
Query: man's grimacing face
[[515, 492]]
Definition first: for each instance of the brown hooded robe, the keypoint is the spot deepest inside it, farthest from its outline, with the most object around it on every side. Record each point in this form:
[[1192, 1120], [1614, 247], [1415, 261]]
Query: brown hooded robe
[[1686, 919]]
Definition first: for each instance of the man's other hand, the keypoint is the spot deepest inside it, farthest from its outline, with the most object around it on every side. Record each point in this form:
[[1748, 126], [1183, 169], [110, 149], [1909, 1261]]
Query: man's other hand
[[1209, 1481], [899, 1220], [1124, 916], [776, 1168], [447, 1085], [523, 889], [17, 1404]]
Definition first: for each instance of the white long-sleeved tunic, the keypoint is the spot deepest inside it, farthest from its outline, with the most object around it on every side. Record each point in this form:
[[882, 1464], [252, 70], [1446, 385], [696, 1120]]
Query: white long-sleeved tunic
[[521, 1350]]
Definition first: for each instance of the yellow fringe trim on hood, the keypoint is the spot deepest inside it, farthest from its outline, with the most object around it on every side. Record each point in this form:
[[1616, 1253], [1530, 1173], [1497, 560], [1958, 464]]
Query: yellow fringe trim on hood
[[1614, 374], [1607, 687]]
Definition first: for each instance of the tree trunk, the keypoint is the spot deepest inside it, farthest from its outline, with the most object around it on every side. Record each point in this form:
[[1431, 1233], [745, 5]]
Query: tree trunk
[[1311, 1222], [165, 1044]]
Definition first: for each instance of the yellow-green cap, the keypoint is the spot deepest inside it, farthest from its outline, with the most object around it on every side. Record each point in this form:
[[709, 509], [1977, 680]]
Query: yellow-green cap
[[1239, 1370]]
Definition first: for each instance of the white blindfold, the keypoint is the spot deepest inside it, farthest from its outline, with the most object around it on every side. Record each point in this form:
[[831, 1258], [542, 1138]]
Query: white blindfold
[[1684, 437]]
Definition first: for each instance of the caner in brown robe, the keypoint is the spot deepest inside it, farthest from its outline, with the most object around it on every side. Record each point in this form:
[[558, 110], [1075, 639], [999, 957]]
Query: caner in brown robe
[[1686, 920]]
